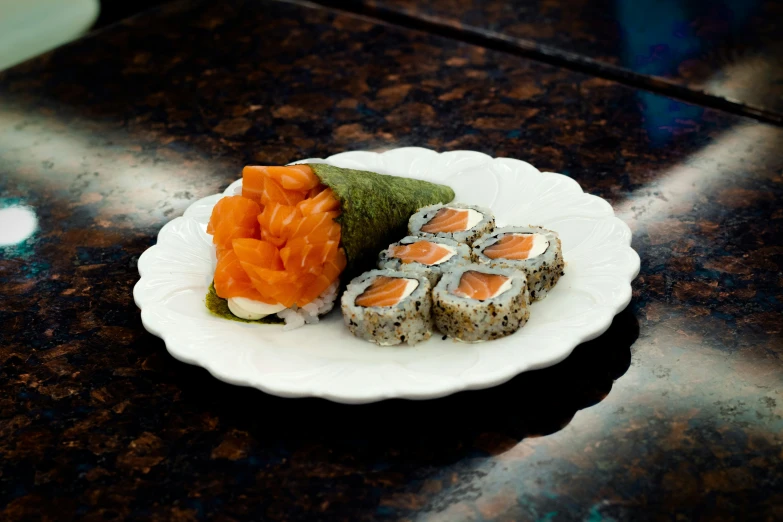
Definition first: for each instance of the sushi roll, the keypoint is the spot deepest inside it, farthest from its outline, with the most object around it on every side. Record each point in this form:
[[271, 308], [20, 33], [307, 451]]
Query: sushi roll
[[534, 250], [431, 257], [457, 221], [479, 303], [388, 307]]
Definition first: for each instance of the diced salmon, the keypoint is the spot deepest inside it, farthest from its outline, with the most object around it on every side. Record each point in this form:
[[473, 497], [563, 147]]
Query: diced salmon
[[231, 280], [333, 267], [267, 248], [384, 291], [276, 285], [424, 252], [478, 285], [325, 201], [447, 220], [274, 193], [253, 182], [258, 253], [321, 225], [313, 192], [268, 237], [276, 217], [294, 177], [300, 256], [233, 217]]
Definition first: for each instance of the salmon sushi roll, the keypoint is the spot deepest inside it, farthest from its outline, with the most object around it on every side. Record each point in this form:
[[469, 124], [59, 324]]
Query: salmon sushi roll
[[475, 302], [388, 307], [457, 221], [429, 256], [534, 250]]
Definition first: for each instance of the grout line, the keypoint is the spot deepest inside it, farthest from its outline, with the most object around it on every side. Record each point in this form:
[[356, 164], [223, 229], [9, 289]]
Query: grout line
[[546, 54]]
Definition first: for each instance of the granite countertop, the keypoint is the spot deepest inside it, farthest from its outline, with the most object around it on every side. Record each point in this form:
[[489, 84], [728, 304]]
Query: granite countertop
[[728, 52], [674, 413]]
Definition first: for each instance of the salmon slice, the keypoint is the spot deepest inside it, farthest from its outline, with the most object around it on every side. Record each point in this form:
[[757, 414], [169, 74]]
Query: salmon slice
[[320, 225], [300, 257], [276, 217], [231, 280], [325, 201], [253, 183], [424, 252], [275, 286], [384, 291], [447, 220], [333, 267], [294, 177], [511, 246], [313, 192], [478, 285], [258, 253], [274, 193], [233, 217], [269, 238]]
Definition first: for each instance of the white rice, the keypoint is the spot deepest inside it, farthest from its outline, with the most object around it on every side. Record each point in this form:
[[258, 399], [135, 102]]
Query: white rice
[[296, 317]]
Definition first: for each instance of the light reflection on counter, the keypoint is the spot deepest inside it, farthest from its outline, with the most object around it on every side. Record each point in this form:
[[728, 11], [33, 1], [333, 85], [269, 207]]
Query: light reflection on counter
[[17, 223], [104, 169]]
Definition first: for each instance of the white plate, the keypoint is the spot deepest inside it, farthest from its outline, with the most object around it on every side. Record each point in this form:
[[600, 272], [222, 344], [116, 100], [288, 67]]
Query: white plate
[[325, 360]]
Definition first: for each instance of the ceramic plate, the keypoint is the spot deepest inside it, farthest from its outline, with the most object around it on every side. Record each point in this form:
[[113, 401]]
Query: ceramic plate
[[325, 360]]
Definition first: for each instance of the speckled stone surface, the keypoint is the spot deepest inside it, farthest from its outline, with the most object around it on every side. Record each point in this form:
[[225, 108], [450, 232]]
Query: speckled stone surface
[[732, 49], [675, 413]]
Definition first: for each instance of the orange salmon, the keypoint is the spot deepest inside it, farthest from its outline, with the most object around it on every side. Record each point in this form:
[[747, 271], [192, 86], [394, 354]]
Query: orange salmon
[[324, 201], [478, 285], [447, 220], [231, 280], [279, 241], [512, 246], [233, 217], [424, 252], [384, 291], [276, 217]]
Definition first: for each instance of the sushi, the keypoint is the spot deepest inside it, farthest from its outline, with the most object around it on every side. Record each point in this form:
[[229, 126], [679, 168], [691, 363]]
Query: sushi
[[431, 256], [478, 303], [282, 244], [534, 250], [456, 221], [388, 307]]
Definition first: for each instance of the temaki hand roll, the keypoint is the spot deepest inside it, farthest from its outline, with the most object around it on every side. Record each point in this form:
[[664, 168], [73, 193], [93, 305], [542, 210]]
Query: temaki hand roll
[[534, 250], [478, 303], [429, 256], [284, 242], [457, 221]]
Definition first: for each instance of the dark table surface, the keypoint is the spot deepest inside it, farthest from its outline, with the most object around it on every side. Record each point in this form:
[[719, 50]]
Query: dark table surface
[[675, 413], [731, 50]]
